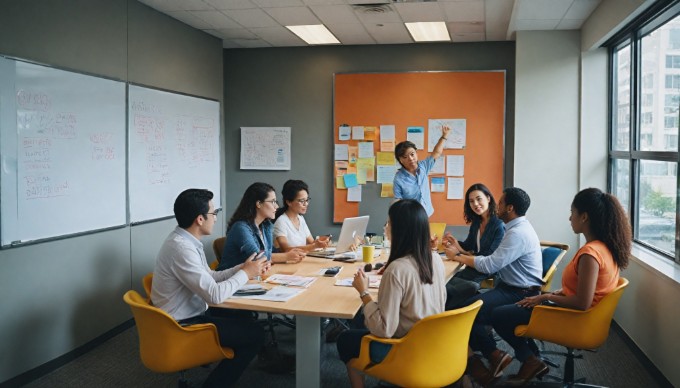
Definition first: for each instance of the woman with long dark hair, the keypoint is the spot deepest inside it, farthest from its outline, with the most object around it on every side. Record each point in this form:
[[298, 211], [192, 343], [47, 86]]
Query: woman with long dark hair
[[485, 234], [250, 229], [591, 274], [290, 228], [411, 288]]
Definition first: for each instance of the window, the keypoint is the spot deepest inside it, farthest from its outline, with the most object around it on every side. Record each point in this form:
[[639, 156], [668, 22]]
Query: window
[[643, 154]]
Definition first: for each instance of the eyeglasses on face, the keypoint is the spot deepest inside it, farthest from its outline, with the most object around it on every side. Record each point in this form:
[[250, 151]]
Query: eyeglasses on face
[[214, 213], [273, 202], [303, 201]]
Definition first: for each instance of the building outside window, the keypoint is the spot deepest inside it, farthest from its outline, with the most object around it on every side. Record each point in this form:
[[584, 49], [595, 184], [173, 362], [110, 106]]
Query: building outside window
[[645, 124]]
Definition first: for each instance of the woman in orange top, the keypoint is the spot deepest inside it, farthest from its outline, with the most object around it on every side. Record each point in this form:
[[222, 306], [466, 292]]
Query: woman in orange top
[[592, 274]]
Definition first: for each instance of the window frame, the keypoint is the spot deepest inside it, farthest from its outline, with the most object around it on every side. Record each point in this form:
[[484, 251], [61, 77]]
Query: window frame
[[655, 17]]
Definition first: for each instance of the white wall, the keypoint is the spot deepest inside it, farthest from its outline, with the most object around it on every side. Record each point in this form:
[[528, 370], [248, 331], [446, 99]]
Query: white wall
[[547, 128]]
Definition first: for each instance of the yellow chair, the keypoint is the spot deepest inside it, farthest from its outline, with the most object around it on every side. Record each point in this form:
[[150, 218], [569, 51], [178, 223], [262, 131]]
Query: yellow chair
[[146, 283], [434, 353], [438, 228], [573, 329], [165, 346], [218, 246]]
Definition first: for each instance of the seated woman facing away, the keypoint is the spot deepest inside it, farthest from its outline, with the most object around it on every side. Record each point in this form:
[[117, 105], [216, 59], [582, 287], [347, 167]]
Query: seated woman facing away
[[412, 286], [591, 274], [290, 228], [485, 234], [250, 229]]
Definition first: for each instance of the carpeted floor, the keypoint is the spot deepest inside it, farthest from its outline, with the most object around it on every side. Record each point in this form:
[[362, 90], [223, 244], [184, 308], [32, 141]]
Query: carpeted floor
[[116, 363]]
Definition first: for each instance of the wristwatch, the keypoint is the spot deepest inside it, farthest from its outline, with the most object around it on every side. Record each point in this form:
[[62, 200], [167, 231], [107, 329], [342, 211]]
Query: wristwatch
[[364, 293]]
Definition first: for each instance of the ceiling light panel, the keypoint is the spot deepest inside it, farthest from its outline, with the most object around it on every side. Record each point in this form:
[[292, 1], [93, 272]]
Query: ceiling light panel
[[428, 31], [314, 34]]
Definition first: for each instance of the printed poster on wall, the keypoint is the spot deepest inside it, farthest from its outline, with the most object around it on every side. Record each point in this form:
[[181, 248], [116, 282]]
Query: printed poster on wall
[[265, 148]]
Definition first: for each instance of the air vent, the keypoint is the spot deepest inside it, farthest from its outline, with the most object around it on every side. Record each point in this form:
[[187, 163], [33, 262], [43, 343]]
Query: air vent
[[373, 8]]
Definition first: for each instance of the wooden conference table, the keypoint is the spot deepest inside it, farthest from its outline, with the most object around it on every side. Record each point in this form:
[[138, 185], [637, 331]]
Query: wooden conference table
[[321, 299]]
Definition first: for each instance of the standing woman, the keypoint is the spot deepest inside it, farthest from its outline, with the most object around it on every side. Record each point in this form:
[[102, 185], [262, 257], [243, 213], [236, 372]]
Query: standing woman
[[250, 229], [290, 228], [411, 181], [485, 234], [411, 288], [592, 274]]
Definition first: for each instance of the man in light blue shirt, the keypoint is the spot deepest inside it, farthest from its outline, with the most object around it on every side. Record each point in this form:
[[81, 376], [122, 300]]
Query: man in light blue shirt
[[411, 181], [519, 264]]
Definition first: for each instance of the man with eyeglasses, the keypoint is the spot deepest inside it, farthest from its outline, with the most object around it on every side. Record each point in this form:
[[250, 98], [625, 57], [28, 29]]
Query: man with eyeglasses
[[183, 285]]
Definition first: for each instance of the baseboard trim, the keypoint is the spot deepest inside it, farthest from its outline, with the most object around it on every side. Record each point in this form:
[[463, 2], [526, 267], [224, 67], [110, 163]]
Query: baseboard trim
[[656, 374], [62, 360]]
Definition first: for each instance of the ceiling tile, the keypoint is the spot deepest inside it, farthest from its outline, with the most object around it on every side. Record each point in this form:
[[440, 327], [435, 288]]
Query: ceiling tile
[[278, 36], [542, 9], [420, 12], [389, 33], [236, 33], [497, 15], [228, 44], [389, 15], [322, 2], [253, 18], [570, 24], [190, 19], [277, 3], [231, 4], [251, 43], [335, 14], [464, 27], [194, 5], [351, 34], [581, 9], [215, 19], [464, 11], [534, 25], [293, 16], [468, 37]]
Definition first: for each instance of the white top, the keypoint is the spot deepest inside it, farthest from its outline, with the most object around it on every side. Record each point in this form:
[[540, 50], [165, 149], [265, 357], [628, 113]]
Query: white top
[[183, 283], [283, 227], [403, 299]]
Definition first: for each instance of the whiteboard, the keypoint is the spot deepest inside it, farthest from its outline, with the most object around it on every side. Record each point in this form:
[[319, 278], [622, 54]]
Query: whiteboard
[[265, 148], [62, 152], [174, 145]]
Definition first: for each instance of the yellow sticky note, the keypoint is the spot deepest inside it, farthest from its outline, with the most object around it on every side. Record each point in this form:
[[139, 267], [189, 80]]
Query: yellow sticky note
[[387, 190], [369, 133], [340, 182], [385, 158], [361, 176], [368, 167]]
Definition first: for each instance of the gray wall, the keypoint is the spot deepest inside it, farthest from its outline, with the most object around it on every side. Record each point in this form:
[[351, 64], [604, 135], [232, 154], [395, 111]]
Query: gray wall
[[294, 87], [61, 294]]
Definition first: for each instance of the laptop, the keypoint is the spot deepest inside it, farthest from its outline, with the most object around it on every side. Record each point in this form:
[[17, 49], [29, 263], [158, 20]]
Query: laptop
[[351, 227]]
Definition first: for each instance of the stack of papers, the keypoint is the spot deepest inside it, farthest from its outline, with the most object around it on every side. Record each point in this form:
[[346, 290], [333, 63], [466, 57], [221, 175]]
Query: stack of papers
[[291, 280]]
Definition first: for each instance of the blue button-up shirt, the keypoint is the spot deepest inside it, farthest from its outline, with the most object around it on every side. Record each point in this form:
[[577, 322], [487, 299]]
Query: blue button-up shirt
[[408, 186], [518, 258], [243, 239]]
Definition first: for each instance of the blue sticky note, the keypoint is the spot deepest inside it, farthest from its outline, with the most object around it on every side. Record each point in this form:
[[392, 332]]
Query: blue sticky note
[[350, 180]]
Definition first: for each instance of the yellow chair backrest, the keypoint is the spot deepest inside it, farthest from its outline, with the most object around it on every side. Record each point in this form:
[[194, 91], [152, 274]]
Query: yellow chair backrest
[[146, 283], [574, 329], [165, 346], [433, 354], [438, 228], [218, 247]]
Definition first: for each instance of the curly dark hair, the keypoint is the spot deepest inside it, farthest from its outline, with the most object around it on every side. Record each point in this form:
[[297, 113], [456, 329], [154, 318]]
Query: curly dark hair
[[608, 222], [468, 213]]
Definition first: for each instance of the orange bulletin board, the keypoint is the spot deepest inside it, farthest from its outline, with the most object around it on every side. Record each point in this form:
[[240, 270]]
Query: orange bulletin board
[[411, 99]]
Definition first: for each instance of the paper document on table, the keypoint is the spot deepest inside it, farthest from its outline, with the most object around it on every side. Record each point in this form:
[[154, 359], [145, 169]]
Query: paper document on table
[[373, 281], [276, 294], [291, 280]]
